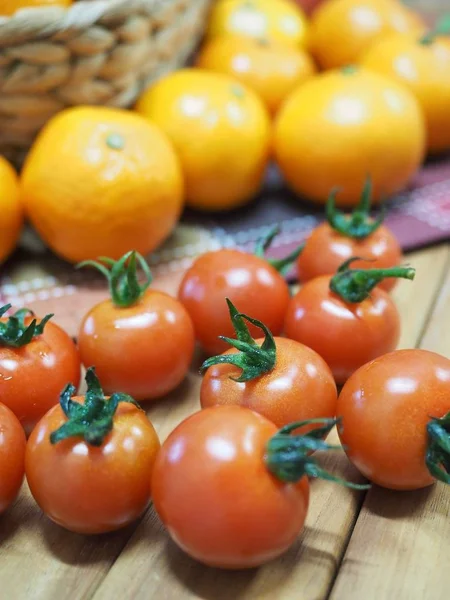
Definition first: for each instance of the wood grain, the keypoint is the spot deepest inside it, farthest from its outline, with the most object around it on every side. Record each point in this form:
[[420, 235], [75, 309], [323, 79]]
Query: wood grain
[[40, 560], [400, 547], [152, 567]]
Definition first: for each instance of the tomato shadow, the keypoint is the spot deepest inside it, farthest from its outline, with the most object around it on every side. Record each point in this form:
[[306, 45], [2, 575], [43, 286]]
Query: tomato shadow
[[267, 581], [392, 504], [84, 550], [17, 517]]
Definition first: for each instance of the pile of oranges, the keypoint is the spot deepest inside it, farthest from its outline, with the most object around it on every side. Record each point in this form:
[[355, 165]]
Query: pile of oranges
[[361, 88]]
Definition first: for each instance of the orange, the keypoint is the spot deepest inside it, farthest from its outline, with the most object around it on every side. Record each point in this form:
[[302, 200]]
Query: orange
[[277, 20], [272, 69], [9, 7], [11, 213], [342, 29], [102, 181], [221, 131], [425, 69], [342, 126]]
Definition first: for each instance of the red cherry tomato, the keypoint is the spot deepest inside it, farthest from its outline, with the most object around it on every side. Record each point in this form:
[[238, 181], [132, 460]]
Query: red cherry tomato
[[251, 282], [140, 343], [12, 457], [345, 333], [33, 373], [326, 249], [344, 236], [279, 378], [394, 411], [96, 479], [214, 493]]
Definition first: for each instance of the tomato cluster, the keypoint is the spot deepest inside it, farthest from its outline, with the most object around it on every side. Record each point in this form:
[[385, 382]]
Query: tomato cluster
[[243, 462]]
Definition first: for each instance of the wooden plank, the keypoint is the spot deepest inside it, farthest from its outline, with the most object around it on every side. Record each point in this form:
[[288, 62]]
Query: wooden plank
[[40, 560], [400, 547], [152, 567]]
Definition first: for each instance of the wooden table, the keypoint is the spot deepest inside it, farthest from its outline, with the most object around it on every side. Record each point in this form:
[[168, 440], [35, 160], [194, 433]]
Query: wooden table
[[379, 545]]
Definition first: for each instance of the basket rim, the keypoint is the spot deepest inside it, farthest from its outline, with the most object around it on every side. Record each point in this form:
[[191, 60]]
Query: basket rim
[[85, 13], [42, 22]]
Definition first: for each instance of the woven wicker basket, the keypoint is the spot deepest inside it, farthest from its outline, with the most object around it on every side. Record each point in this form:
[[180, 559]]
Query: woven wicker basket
[[95, 52]]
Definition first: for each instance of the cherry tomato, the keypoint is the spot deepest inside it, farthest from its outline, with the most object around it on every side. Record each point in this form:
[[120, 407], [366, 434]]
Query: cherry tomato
[[34, 368], [219, 502], [251, 282], [12, 457], [345, 333], [396, 419], [140, 343], [342, 237], [90, 474], [279, 378]]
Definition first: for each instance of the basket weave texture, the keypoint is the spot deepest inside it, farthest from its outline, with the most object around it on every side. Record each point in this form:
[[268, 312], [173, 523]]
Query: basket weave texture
[[95, 52]]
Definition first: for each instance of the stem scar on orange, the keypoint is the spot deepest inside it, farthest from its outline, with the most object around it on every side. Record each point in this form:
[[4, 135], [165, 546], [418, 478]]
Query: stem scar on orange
[[99, 181]]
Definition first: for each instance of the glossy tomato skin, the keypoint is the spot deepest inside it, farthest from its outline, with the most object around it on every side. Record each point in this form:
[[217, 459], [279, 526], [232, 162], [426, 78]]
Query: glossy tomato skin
[[233, 513], [326, 249], [12, 457], [144, 350], [385, 407], [251, 283], [300, 387], [345, 335], [33, 376], [90, 489]]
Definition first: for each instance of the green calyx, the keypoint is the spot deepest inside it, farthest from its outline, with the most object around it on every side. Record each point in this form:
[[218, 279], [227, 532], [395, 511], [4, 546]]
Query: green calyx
[[442, 27], [282, 265], [349, 69], [15, 333], [93, 420], [288, 456], [122, 276], [359, 224], [355, 285], [438, 450], [254, 360]]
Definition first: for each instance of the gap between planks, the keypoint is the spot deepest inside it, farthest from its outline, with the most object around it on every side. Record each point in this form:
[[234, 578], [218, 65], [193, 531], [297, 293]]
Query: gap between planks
[[400, 547], [39, 560]]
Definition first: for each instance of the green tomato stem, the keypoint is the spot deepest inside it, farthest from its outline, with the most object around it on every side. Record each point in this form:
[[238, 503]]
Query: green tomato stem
[[438, 449], [122, 277], [355, 285], [359, 224], [252, 359], [288, 457], [15, 333], [282, 265], [93, 420]]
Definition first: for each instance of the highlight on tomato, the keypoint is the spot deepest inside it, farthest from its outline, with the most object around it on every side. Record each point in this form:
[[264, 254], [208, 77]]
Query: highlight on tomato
[[89, 459], [395, 423], [37, 358], [347, 318], [12, 457], [251, 281], [232, 489], [141, 341], [343, 236], [279, 378]]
